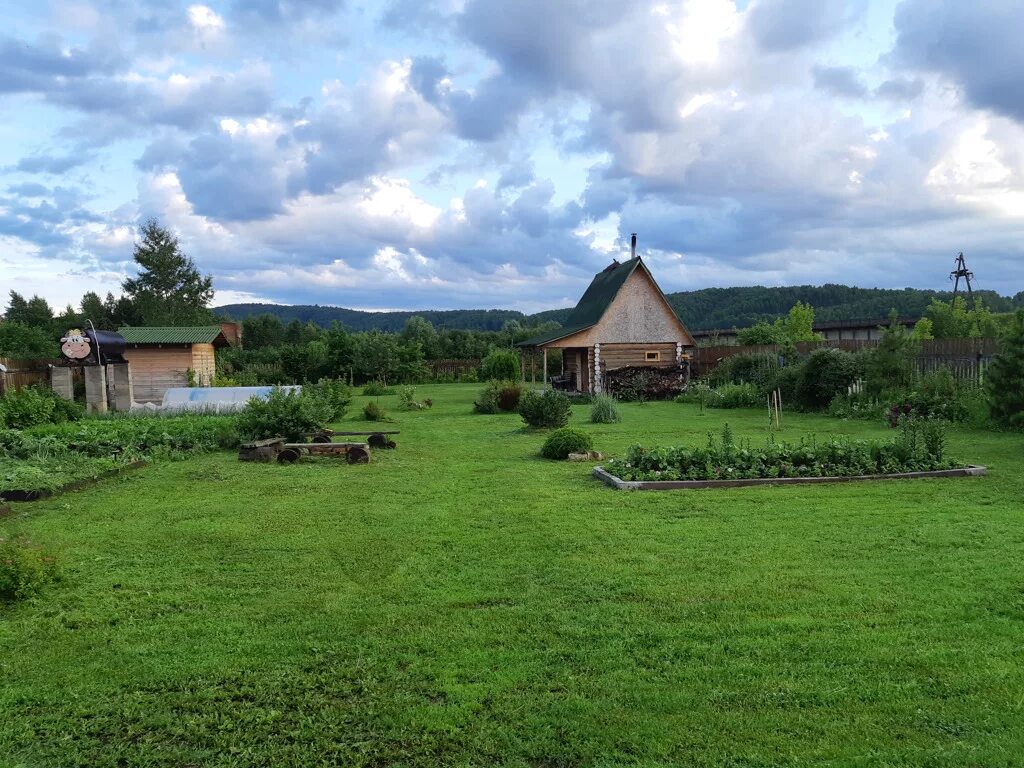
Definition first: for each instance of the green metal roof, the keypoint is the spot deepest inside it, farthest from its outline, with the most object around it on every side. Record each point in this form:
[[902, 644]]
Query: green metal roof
[[603, 289], [196, 334]]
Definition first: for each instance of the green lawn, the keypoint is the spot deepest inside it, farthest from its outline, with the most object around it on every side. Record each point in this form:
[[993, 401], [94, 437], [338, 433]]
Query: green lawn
[[460, 601]]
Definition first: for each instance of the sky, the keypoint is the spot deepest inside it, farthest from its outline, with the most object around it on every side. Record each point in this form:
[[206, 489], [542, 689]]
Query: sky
[[443, 154]]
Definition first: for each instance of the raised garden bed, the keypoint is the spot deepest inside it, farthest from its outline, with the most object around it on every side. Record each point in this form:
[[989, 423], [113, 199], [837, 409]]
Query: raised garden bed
[[602, 474], [42, 493]]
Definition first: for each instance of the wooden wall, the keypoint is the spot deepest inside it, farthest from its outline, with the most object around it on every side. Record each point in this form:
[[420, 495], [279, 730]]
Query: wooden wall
[[621, 355], [204, 364], [156, 369]]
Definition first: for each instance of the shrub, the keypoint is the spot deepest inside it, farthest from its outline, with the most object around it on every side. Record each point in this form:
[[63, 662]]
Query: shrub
[[377, 389], [825, 373], [500, 365], [758, 368], [24, 569], [508, 398], [562, 442], [734, 396], [288, 414], [550, 409], [36, 405], [335, 393], [603, 410], [373, 412], [498, 396], [1004, 381], [407, 400]]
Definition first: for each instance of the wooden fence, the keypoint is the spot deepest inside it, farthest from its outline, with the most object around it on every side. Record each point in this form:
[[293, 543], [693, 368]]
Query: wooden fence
[[23, 373], [454, 368], [965, 358]]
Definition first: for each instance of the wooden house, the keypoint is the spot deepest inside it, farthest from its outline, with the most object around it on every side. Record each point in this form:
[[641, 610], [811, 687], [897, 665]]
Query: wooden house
[[623, 320], [162, 358]]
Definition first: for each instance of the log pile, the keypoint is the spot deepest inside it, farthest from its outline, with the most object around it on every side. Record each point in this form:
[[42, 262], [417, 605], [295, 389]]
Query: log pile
[[643, 382]]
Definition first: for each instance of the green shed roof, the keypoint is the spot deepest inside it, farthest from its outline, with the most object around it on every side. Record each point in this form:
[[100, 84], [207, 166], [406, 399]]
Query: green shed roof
[[603, 289], [194, 334]]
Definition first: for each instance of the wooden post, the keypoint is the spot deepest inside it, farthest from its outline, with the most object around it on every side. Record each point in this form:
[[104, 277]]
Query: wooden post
[[545, 367], [533, 366], [522, 365]]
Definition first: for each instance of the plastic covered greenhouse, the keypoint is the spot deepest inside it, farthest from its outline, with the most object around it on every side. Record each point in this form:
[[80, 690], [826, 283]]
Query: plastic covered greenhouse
[[214, 399]]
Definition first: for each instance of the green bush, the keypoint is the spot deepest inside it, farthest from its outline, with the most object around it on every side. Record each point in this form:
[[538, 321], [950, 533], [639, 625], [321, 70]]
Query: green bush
[[734, 396], [335, 393], [24, 569], [288, 414], [373, 412], [757, 368], [825, 373], [377, 389], [550, 409], [498, 396], [562, 442], [500, 365], [603, 410], [36, 405]]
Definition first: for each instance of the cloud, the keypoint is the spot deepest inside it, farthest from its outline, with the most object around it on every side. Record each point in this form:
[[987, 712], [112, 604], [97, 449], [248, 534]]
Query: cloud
[[839, 81], [900, 89], [785, 25], [55, 164], [976, 47]]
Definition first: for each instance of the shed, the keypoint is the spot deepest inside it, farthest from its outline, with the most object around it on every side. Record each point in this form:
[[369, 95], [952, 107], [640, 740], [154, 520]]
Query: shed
[[623, 320], [164, 357]]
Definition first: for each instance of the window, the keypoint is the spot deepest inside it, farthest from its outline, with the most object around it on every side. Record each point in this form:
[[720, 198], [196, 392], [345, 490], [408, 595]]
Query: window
[[652, 357]]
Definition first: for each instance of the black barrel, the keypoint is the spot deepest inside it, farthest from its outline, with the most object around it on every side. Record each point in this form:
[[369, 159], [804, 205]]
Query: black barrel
[[110, 345]]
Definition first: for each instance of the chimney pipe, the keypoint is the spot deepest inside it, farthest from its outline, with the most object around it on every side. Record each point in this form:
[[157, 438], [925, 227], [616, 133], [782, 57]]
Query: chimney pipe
[[632, 248]]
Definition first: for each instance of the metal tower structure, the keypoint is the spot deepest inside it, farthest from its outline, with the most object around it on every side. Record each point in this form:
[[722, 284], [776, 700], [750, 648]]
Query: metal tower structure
[[960, 271]]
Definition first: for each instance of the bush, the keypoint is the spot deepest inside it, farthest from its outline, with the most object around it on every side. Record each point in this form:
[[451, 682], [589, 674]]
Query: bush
[[550, 409], [28, 407], [562, 442], [498, 396], [407, 400], [603, 410], [377, 389], [288, 414], [734, 396], [373, 412], [757, 368], [508, 398], [500, 365], [825, 373], [335, 393], [24, 569]]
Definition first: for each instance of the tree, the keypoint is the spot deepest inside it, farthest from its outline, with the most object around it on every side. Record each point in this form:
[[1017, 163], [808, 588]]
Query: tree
[[95, 310], [34, 312], [169, 290], [1004, 379], [955, 320], [761, 332], [923, 329], [892, 364], [21, 341], [798, 325]]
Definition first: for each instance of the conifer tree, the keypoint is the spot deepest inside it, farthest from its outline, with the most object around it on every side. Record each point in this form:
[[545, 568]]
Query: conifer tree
[[1004, 379]]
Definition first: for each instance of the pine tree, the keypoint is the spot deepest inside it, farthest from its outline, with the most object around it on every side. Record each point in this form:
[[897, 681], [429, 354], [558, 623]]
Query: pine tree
[[1004, 379], [169, 290]]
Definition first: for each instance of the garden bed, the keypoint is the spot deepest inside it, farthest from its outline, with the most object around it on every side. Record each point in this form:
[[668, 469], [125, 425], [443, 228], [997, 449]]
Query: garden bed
[[972, 470], [35, 494]]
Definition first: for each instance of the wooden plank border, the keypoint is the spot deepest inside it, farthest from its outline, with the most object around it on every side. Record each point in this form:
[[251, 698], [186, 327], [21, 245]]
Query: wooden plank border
[[972, 470]]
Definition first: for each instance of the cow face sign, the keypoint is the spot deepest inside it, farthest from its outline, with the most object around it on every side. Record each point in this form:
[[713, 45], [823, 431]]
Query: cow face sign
[[74, 345]]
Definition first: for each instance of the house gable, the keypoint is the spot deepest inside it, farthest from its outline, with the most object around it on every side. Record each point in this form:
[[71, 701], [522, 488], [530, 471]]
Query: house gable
[[638, 314]]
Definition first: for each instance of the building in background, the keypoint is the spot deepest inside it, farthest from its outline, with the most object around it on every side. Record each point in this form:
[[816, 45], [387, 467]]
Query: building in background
[[162, 358]]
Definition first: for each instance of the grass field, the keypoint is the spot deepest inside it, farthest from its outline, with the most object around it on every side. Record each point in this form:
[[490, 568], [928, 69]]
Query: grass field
[[461, 601]]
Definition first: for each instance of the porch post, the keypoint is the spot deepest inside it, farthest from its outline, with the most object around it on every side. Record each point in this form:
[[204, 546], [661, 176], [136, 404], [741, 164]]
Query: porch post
[[545, 367], [595, 385], [533, 366]]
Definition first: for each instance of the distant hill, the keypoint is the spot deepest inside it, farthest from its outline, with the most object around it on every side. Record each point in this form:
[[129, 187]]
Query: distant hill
[[705, 309]]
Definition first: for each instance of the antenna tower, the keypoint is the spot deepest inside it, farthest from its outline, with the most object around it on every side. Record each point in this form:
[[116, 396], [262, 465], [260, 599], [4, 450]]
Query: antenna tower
[[959, 272]]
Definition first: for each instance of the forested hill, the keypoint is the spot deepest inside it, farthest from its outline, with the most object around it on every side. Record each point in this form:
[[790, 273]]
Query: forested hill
[[701, 310]]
